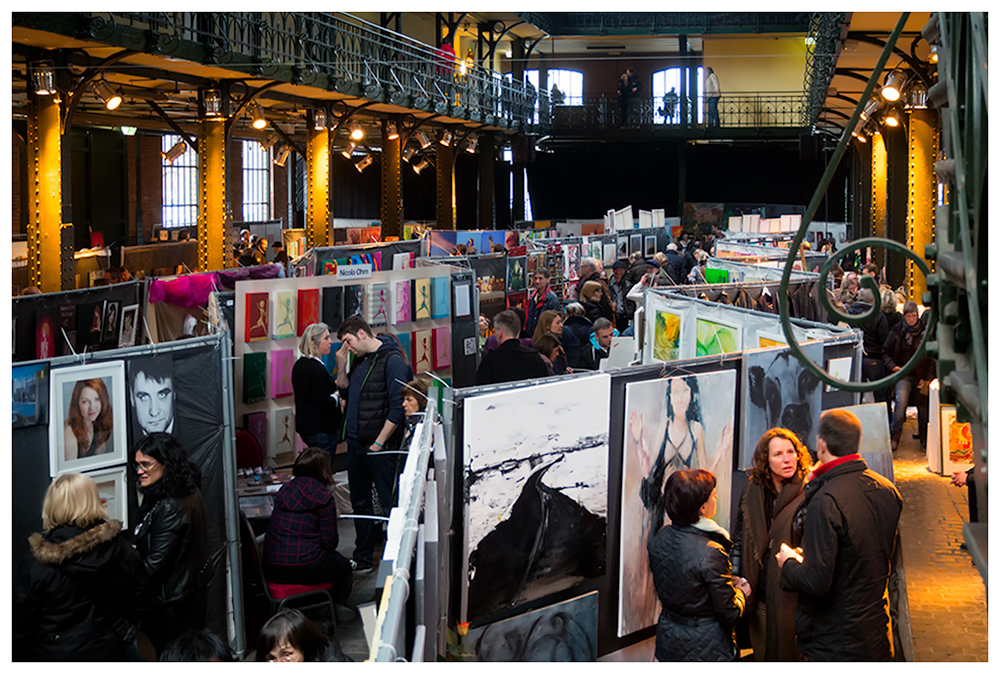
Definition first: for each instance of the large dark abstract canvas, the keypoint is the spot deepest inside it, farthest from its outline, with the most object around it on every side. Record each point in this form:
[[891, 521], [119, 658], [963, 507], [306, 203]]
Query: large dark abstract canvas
[[254, 376], [536, 492], [563, 632], [780, 391], [354, 300], [333, 307]]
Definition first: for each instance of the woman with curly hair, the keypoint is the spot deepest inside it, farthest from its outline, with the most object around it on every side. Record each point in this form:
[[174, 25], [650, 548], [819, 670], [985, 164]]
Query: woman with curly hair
[[90, 420], [170, 537], [770, 499]]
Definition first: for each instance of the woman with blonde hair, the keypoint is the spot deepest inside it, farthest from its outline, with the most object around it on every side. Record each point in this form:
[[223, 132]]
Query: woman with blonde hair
[[770, 499], [79, 582], [590, 297], [89, 421], [317, 412]]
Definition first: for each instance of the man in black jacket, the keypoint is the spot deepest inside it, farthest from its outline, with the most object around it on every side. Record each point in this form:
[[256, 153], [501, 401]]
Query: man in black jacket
[[848, 519], [675, 264], [874, 332], [511, 361], [373, 421]]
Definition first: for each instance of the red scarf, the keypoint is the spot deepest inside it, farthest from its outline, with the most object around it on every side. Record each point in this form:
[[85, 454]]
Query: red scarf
[[830, 465]]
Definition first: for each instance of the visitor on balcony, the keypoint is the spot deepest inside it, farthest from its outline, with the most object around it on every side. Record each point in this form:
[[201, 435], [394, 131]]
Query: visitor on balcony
[[712, 96], [669, 108], [628, 88]]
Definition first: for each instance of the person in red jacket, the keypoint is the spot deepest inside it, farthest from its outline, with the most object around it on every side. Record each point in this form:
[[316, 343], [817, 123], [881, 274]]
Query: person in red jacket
[[301, 542]]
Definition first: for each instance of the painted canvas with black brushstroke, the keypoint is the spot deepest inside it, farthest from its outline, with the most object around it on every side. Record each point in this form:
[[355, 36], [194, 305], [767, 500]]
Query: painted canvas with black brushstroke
[[563, 632], [536, 491], [780, 391]]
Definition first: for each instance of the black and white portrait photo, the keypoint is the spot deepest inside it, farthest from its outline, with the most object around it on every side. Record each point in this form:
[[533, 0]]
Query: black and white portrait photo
[[151, 395]]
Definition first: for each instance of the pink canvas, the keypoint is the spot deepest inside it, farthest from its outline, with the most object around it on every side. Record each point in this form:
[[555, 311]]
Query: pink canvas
[[282, 361], [442, 348], [401, 302]]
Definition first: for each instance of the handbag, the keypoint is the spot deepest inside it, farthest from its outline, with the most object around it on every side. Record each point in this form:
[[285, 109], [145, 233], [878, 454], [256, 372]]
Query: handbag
[[138, 647]]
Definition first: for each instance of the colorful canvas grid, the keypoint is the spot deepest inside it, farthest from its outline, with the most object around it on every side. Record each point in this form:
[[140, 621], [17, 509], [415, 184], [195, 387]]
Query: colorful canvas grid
[[282, 361], [254, 376], [256, 317], [308, 308]]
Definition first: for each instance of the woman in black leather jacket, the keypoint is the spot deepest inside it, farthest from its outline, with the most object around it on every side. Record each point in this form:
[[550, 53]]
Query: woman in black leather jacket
[[689, 560], [80, 578], [170, 537]]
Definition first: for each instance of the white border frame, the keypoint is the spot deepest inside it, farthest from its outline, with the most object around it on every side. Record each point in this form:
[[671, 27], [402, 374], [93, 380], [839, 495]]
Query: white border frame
[[119, 475], [57, 416]]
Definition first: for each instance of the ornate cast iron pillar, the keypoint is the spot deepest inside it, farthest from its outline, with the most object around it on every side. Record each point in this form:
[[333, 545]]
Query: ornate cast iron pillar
[[213, 252], [880, 183], [445, 187], [923, 150], [318, 219], [392, 194], [50, 241]]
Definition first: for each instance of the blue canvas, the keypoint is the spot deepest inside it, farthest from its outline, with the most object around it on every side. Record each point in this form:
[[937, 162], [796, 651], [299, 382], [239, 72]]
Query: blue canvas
[[440, 297]]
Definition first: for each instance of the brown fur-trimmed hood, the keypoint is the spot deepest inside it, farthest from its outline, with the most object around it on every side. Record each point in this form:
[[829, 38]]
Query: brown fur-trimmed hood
[[56, 553]]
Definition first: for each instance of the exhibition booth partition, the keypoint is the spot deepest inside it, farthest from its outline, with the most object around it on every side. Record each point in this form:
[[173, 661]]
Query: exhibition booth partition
[[67, 323], [199, 415], [389, 256]]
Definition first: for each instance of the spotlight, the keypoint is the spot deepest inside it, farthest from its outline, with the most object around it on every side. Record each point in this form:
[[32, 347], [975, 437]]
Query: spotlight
[[319, 119], [363, 163], [104, 91], [128, 130], [171, 155], [357, 133], [892, 89], [43, 78], [870, 109], [257, 115], [891, 119], [211, 101], [408, 153], [933, 58], [349, 150], [391, 131], [269, 141], [420, 165], [282, 157], [916, 95], [446, 137], [424, 141], [471, 143]]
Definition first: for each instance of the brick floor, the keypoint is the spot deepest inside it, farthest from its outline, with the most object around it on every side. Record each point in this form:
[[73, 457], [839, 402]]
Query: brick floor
[[948, 616]]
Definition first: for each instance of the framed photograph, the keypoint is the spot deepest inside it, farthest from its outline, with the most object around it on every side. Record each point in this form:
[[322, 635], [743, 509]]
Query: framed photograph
[[127, 331], [151, 397], [30, 395], [650, 242], [634, 243], [112, 317], [111, 483], [87, 428]]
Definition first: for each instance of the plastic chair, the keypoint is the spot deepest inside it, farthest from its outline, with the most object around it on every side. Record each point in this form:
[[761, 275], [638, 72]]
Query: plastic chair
[[280, 595], [248, 452]]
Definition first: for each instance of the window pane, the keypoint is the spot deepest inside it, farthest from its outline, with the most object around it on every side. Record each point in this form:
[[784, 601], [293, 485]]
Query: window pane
[[570, 83], [180, 186], [256, 182]]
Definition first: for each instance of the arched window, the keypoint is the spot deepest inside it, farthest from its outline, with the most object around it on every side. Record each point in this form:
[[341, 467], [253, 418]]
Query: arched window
[[663, 81]]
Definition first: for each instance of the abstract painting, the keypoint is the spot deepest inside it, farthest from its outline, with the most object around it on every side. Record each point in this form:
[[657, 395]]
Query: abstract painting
[[282, 361], [714, 337], [401, 302], [333, 307], [404, 344], [422, 351], [254, 376], [354, 300], [766, 340], [255, 423], [421, 299], [256, 317], [666, 336], [780, 391], [377, 309], [876, 442], [956, 442], [440, 297], [536, 493], [442, 348], [671, 424], [30, 401], [282, 432], [308, 308], [284, 314], [562, 632]]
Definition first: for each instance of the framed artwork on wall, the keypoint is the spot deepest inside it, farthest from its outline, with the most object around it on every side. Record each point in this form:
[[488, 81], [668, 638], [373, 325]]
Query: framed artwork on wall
[[377, 309], [254, 376], [88, 413], [422, 351], [442, 348], [440, 297], [282, 431], [111, 484], [333, 307], [45, 333], [401, 302], [354, 300], [422, 299], [282, 361], [308, 308], [129, 326], [284, 314], [255, 329], [30, 395]]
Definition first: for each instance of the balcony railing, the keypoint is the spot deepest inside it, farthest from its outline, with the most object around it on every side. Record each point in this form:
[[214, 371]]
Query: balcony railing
[[339, 52], [735, 110]]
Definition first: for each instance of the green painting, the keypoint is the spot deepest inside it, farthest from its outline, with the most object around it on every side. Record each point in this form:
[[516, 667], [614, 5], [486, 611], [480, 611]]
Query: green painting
[[667, 336], [715, 338], [254, 377]]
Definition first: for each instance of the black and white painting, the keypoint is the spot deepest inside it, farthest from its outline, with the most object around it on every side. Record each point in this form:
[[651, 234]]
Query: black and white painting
[[780, 391], [536, 478]]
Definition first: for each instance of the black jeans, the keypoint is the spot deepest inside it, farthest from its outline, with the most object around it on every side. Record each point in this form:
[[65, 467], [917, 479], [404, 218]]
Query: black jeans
[[364, 469]]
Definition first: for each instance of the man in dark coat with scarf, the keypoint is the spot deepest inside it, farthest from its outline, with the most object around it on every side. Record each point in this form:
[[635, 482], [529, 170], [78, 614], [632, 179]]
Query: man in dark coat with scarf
[[848, 519], [899, 347]]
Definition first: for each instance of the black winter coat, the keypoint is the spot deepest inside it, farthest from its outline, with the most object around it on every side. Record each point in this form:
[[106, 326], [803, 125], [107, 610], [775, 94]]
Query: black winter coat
[[172, 540], [315, 411], [896, 351], [850, 518], [700, 606], [511, 361], [675, 267], [55, 616], [575, 337], [595, 311]]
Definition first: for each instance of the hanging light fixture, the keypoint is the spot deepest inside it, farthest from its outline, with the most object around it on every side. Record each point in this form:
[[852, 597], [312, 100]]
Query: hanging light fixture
[[870, 109], [281, 158], [43, 78], [363, 163], [424, 141], [104, 91], [171, 155], [319, 119], [893, 87], [891, 118], [916, 96], [420, 165], [349, 150], [408, 153], [933, 58], [129, 130], [211, 101], [258, 121], [391, 131], [357, 133], [269, 141], [446, 137], [471, 143]]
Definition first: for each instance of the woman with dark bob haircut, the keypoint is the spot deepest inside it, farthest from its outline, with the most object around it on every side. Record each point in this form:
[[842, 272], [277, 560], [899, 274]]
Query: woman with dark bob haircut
[[171, 537], [770, 499], [689, 561], [301, 542], [289, 636]]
